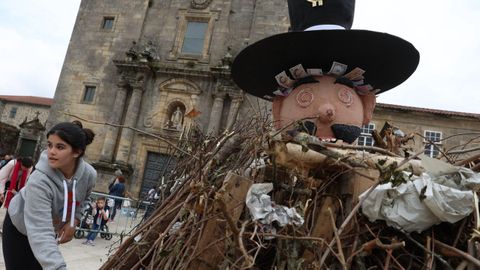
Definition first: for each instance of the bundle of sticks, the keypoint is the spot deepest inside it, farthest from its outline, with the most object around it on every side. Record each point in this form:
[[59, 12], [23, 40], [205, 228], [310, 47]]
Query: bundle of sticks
[[203, 223]]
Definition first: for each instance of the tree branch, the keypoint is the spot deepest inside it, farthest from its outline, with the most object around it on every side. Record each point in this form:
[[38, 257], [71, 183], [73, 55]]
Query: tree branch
[[132, 128]]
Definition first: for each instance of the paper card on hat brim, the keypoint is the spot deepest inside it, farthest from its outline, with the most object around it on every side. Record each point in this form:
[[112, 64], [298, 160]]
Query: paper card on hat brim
[[338, 69], [283, 80], [315, 71], [355, 74], [298, 72]]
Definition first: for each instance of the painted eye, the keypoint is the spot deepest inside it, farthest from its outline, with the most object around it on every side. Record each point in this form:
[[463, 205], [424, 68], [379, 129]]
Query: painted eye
[[304, 98], [345, 96]]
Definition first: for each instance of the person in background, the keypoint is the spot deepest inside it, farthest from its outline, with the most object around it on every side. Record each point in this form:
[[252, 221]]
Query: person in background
[[13, 177], [100, 217], [117, 188], [152, 199], [45, 212], [5, 160]]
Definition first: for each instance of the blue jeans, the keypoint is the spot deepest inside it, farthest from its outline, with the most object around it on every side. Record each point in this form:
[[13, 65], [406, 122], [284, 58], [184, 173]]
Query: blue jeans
[[91, 235]]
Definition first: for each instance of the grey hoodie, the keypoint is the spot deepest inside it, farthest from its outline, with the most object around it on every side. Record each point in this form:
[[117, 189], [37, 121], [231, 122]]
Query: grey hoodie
[[39, 210]]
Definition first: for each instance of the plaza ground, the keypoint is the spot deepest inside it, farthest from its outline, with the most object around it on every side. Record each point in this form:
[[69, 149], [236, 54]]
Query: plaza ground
[[81, 257]]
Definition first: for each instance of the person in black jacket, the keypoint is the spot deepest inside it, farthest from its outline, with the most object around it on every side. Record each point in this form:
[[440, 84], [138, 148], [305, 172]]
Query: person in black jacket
[[117, 188]]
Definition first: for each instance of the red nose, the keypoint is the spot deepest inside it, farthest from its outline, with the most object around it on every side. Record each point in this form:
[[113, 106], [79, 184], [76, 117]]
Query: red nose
[[326, 113]]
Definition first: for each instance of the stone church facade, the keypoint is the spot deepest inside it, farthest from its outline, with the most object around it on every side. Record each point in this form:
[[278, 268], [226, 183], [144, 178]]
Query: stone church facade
[[158, 67]]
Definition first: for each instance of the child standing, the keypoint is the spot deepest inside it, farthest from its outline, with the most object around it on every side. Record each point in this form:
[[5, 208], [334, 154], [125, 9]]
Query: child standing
[[100, 218]]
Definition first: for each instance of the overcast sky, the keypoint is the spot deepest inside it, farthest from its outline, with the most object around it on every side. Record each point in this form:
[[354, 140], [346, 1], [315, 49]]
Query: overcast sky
[[35, 34]]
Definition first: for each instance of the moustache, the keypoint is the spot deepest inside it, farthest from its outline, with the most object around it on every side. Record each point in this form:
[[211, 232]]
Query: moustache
[[346, 133]]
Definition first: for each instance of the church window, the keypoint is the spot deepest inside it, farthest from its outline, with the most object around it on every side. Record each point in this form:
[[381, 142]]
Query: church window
[[89, 94], [13, 112], [107, 22], [432, 140], [366, 138], [194, 39]]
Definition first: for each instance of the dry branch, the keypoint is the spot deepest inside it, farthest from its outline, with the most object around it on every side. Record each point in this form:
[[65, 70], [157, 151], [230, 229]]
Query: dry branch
[[134, 129]]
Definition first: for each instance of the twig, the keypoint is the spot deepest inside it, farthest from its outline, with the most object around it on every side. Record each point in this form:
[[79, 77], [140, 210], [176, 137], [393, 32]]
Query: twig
[[438, 257], [397, 263], [476, 168], [386, 266], [362, 148], [391, 246], [376, 243], [468, 160], [248, 259], [429, 259], [134, 129], [337, 238], [463, 254], [464, 150], [471, 251], [460, 230]]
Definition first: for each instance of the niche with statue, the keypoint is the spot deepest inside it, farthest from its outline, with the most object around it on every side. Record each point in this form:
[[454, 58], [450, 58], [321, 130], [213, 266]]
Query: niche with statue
[[175, 116]]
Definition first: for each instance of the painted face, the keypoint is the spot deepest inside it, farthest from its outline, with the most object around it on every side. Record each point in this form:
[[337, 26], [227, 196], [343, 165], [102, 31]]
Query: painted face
[[325, 103], [61, 155]]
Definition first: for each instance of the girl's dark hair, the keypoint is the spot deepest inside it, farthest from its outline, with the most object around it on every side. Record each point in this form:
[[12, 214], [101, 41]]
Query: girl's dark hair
[[74, 134]]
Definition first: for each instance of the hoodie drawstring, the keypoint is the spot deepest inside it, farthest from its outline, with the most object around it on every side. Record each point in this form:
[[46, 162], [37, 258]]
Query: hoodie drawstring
[[74, 203], [65, 202]]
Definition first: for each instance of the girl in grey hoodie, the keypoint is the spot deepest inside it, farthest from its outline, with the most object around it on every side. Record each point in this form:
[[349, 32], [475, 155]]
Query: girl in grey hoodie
[[45, 212]]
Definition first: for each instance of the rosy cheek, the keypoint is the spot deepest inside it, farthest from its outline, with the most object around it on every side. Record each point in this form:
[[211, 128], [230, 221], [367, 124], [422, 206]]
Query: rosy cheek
[[304, 98], [345, 96]]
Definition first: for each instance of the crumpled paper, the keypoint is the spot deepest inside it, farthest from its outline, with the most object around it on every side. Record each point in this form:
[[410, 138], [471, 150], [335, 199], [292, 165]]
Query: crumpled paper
[[444, 194], [265, 211]]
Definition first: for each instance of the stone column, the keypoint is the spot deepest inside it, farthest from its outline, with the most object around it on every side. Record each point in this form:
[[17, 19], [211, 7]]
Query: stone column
[[216, 115], [115, 118], [126, 138], [232, 114]]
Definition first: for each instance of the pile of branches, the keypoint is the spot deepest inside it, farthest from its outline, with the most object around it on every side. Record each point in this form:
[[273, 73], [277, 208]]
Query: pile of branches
[[203, 222]]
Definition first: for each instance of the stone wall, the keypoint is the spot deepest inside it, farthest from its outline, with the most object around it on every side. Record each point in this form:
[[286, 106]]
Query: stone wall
[[24, 111], [8, 138]]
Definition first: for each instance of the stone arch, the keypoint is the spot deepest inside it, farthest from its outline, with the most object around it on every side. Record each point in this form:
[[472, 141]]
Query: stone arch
[[182, 92], [180, 85]]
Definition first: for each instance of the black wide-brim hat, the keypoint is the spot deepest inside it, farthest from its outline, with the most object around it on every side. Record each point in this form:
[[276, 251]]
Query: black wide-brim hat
[[386, 59], [379, 61]]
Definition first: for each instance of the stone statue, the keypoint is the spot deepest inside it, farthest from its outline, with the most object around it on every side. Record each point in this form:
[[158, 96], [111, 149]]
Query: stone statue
[[132, 53], [177, 119]]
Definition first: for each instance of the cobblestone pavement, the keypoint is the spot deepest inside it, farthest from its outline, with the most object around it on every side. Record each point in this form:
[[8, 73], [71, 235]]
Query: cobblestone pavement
[[82, 257]]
